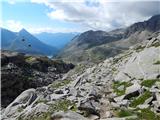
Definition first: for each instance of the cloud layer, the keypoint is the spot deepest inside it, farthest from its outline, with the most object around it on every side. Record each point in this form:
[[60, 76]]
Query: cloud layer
[[101, 14]]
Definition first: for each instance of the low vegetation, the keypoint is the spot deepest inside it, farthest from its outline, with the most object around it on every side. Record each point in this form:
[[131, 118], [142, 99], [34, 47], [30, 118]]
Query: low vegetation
[[118, 84], [157, 62], [63, 105], [141, 99], [124, 113], [147, 114], [149, 83], [59, 84]]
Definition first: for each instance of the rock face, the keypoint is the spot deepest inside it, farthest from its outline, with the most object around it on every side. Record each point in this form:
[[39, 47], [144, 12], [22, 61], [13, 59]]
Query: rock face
[[20, 72]]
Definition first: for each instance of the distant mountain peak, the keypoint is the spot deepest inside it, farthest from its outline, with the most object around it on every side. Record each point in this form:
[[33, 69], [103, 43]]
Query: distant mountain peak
[[23, 31]]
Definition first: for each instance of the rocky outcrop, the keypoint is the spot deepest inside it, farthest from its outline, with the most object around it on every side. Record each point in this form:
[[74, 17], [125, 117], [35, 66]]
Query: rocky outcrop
[[20, 72], [114, 89]]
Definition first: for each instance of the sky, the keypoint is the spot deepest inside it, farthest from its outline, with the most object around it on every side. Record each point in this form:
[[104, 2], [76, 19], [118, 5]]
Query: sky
[[53, 16]]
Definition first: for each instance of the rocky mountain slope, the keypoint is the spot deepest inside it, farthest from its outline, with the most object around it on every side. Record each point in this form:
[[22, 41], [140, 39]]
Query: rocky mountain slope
[[25, 42], [20, 72], [124, 87], [96, 46]]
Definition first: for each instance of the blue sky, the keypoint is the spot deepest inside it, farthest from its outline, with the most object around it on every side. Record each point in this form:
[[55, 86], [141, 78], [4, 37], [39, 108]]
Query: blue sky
[[69, 16], [31, 15]]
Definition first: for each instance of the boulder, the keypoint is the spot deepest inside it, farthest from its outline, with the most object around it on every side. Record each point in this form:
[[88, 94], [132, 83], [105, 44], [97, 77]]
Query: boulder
[[69, 115], [25, 99], [132, 91]]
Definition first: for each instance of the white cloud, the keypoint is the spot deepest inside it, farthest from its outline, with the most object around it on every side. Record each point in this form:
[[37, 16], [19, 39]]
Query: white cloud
[[14, 25], [36, 30], [101, 14]]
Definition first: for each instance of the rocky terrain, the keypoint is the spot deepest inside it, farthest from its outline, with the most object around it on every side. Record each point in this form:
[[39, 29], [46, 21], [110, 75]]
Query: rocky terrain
[[124, 87], [96, 46], [20, 72]]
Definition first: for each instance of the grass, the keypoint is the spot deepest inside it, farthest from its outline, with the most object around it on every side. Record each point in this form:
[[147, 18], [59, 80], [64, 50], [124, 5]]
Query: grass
[[59, 84], [149, 83], [157, 62], [63, 105], [141, 99], [147, 114], [29, 59], [118, 84], [124, 113], [142, 114]]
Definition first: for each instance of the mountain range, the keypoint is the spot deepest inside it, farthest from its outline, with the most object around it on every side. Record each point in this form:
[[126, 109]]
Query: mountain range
[[58, 40], [25, 42], [95, 46]]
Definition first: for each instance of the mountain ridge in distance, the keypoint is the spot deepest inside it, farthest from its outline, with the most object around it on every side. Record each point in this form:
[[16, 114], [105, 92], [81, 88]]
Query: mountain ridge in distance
[[25, 42], [58, 40], [95, 46]]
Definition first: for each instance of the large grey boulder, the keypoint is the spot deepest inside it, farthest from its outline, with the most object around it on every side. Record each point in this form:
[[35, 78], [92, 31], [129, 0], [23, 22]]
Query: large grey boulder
[[67, 116], [25, 99]]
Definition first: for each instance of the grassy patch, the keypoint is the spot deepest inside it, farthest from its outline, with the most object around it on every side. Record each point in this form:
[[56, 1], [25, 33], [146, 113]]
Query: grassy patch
[[63, 105], [141, 99], [124, 113], [117, 84], [29, 59], [149, 83], [59, 84], [147, 114], [157, 62]]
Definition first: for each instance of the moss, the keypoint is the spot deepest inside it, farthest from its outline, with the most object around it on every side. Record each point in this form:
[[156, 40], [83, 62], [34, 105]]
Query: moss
[[59, 84], [149, 83], [157, 62], [147, 114], [117, 84], [141, 99]]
